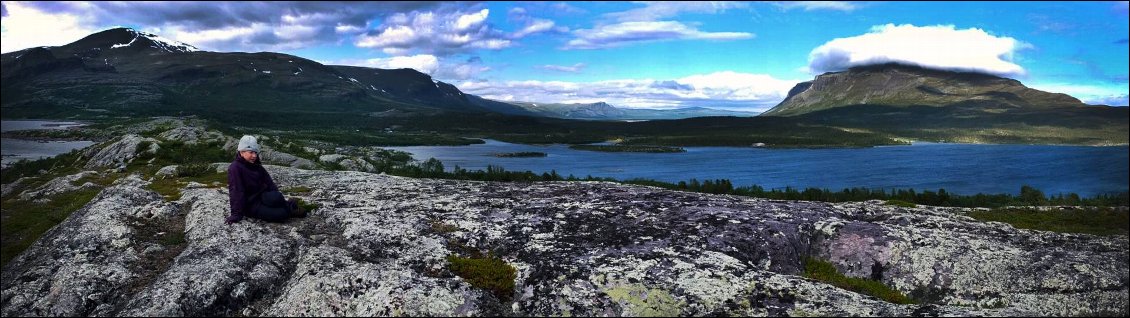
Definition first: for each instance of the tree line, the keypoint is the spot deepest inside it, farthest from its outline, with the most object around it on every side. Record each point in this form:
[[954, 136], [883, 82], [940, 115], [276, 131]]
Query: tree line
[[1029, 196]]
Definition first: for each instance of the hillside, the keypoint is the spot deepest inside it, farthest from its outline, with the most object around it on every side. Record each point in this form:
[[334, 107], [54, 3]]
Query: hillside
[[124, 72]]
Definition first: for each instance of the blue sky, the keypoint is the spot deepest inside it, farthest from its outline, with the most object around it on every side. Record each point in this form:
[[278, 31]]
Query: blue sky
[[732, 55]]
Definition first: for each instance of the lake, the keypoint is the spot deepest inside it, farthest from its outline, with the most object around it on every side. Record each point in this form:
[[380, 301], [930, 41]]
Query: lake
[[957, 168], [12, 150]]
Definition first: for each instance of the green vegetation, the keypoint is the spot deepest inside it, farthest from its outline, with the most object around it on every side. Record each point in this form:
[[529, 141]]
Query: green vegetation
[[172, 238], [297, 190], [525, 154], [628, 148], [826, 272], [25, 221], [1091, 220], [170, 188], [307, 206], [58, 165], [487, 272]]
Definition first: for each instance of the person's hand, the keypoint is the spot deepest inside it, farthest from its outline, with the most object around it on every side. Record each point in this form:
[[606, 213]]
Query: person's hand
[[233, 219]]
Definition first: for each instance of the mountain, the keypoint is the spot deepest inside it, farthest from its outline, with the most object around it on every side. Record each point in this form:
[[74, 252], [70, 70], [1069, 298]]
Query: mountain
[[124, 72], [903, 85], [604, 111]]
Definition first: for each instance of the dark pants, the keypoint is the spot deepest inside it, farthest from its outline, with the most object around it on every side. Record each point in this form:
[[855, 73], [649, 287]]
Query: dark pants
[[274, 208]]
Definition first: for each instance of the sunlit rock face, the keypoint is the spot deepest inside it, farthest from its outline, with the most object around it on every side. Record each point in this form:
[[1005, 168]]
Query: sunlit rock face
[[378, 246]]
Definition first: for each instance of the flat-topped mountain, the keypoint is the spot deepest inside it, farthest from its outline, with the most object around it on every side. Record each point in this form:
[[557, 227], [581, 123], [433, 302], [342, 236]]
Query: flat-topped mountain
[[902, 85]]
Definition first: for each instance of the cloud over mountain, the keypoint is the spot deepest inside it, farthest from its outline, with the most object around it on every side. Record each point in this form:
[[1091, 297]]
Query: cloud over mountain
[[938, 47]]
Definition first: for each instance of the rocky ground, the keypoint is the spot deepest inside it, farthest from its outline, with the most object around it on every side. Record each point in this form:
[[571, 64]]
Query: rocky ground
[[378, 246]]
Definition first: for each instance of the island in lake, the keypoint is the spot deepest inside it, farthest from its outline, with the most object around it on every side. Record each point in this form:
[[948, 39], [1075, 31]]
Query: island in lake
[[628, 148], [524, 154]]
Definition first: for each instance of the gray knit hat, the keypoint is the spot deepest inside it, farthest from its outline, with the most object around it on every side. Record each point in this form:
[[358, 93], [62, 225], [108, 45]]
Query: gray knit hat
[[248, 143]]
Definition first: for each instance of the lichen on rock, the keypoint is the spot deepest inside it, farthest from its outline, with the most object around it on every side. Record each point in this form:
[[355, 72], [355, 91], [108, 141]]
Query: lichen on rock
[[373, 248]]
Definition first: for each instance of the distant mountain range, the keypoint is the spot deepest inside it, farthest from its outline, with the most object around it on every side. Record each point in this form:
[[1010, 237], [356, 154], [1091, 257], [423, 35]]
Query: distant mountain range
[[124, 73], [604, 111]]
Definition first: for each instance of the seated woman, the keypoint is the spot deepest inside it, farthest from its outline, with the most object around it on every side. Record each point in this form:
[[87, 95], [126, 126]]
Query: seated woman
[[251, 190]]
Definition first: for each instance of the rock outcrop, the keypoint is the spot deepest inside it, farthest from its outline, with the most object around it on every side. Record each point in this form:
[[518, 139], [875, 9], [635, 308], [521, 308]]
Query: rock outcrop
[[119, 151], [378, 246]]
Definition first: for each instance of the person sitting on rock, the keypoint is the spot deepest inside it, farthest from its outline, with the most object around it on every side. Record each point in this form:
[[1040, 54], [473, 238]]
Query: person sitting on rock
[[252, 191]]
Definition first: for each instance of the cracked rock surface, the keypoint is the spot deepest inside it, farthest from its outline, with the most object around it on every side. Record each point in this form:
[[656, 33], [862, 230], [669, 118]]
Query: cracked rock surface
[[580, 248]]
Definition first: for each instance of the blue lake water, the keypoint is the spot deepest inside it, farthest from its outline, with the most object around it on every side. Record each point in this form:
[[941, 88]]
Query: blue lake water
[[12, 150], [957, 168]]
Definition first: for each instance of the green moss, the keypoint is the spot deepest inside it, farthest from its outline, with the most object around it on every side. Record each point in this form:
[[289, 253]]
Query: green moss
[[297, 190], [172, 239], [1089, 220], [25, 221], [900, 203], [307, 206], [826, 272], [489, 273]]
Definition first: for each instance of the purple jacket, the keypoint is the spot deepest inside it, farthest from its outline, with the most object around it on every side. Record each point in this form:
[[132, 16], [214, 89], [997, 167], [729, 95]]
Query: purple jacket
[[245, 182]]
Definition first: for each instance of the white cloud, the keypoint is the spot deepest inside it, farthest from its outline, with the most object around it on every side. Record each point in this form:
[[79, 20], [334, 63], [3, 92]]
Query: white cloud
[[535, 26], [424, 63], [729, 90], [468, 21], [615, 35], [26, 27], [1091, 94], [435, 33], [816, 5], [938, 47], [345, 29], [568, 69], [655, 10]]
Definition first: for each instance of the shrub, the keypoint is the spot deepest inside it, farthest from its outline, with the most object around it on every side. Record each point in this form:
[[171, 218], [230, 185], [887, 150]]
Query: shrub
[[1097, 221], [826, 272], [489, 273]]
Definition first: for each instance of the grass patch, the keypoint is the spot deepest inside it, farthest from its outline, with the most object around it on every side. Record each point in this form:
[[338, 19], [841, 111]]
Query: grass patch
[[307, 206], [297, 190], [172, 239], [826, 272], [489, 273], [25, 221], [170, 188], [901, 203], [1089, 220]]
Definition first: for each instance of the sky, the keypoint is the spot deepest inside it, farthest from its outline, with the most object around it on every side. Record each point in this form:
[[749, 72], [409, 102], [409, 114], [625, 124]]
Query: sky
[[726, 55]]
